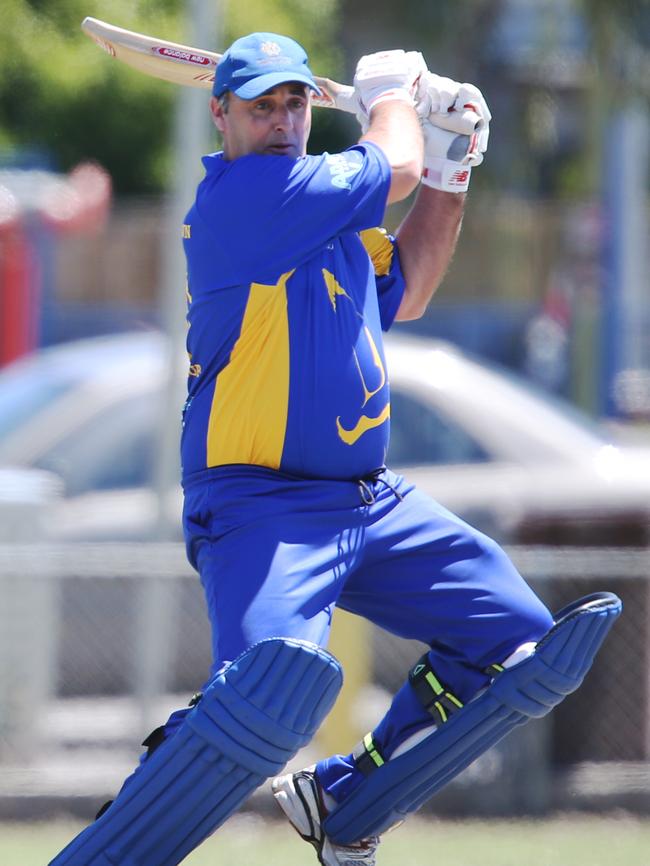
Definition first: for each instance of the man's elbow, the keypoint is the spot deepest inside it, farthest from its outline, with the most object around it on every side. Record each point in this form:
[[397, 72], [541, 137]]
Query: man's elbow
[[411, 308]]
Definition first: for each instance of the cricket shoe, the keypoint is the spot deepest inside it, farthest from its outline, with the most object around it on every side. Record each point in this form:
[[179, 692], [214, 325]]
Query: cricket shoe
[[300, 798]]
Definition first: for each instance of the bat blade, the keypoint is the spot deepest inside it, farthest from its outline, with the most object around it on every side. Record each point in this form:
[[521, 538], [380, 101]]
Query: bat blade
[[182, 64], [170, 61]]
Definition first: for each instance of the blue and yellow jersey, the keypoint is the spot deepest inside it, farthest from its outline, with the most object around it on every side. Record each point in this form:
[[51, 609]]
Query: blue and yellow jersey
[[289, 287]]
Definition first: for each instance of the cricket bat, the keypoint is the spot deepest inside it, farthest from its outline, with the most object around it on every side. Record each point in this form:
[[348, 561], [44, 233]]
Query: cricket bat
[[193, 67], [196, 67]]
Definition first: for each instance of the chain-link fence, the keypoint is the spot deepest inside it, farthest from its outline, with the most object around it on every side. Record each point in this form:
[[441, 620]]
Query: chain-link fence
[[99, 642]]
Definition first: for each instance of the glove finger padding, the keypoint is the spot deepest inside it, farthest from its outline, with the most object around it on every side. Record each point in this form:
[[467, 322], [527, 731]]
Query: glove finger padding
[[387, 75], [471, 97], [435, 94], [463, 122], [453, 106]]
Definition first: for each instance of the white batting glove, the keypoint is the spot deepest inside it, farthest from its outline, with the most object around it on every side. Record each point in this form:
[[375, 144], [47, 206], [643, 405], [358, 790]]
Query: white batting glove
[[456, 107], [387, 75], [435, 94], [448, 158]]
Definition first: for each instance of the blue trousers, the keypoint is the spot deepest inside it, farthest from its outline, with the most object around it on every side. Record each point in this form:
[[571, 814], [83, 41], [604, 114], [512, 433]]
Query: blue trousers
[[276, 554]]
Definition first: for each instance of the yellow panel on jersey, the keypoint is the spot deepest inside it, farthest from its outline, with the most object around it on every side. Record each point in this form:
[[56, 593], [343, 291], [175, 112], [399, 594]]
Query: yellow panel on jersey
[[379, 248], [248, 417]]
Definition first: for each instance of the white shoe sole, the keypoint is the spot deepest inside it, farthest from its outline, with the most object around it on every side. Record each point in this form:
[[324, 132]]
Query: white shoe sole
[[299, 805]]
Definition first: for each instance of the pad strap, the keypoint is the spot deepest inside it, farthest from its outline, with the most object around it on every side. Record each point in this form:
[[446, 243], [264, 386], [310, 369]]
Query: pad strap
[[494, 670], [528, 689], [436, 698], [367, 756]]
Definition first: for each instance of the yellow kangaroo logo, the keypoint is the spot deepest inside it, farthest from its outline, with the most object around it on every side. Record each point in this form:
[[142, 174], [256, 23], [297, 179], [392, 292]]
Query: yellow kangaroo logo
[[365, 422], [334, 288]]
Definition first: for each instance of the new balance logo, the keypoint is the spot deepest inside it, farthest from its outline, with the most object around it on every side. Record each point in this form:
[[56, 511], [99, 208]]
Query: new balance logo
[[459, 177]]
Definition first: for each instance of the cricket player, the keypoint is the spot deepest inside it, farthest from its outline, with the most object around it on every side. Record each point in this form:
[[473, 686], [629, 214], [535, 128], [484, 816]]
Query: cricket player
[[290, 510]]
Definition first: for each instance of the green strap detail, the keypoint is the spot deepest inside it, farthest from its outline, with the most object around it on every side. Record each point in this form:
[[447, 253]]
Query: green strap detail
[[494, 670], [441, 711], [433, 695], [369, 745], [367, 756], [434, 683]]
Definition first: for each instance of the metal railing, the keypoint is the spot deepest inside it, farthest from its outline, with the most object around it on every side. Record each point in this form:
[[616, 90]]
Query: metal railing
[[99, 641]]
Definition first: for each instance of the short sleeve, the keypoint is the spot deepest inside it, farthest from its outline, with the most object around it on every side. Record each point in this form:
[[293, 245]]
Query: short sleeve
[[270, 213], [384, 254]]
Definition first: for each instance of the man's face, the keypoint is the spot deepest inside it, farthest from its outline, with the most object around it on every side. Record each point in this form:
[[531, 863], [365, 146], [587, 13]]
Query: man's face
[[277, 122]]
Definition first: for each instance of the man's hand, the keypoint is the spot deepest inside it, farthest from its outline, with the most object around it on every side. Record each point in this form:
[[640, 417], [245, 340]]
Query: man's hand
[[384, 76], [455, 107], [448, 158], [385, 87], [456, 128]]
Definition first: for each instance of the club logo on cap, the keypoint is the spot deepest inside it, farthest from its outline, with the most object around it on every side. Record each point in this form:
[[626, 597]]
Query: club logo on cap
[[271, 48]]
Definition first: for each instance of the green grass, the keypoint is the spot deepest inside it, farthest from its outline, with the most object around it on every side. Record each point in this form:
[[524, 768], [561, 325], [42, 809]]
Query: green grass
[[251, 841]]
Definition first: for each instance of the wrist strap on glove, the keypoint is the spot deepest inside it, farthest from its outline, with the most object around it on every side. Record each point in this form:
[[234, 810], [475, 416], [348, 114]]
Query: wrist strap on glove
[[447, 175], [400, 94]]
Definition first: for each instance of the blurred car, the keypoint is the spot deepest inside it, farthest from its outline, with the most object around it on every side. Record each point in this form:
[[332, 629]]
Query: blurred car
[[518, 463], [26, 497], [90, 411], [515, 463]]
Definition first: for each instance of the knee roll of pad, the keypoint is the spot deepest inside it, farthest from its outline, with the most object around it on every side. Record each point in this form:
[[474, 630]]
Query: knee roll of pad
[[530, 689], [252, 718]]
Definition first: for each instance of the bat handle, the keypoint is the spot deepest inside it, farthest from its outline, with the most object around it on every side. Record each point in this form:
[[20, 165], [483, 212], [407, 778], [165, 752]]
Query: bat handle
[[342, 97], [335, 95]]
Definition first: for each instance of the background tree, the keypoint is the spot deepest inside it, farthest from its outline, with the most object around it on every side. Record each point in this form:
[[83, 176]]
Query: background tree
[[64, 100]]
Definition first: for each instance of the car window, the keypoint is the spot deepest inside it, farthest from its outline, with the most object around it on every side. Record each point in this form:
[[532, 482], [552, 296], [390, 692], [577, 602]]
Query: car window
[[115, 449], [421, 435], [23, 397]]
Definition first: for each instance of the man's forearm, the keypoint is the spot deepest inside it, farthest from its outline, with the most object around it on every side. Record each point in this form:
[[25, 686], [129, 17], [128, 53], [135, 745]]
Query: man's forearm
[[395, 128], [426, 241]]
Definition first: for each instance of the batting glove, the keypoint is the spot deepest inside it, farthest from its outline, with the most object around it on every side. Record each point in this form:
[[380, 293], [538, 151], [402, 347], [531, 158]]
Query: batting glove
[[448, 158], [456, 107], [387, 75]]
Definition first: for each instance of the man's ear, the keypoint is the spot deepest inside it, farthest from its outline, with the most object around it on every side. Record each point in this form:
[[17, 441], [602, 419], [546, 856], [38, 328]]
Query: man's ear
[[217, 112]]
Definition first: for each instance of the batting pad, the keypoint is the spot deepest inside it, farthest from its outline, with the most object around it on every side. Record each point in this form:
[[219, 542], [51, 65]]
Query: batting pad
[[252, 718], [530, 689]]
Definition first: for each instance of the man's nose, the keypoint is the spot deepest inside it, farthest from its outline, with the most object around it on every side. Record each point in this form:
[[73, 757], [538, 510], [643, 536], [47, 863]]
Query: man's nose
[[282, 117]]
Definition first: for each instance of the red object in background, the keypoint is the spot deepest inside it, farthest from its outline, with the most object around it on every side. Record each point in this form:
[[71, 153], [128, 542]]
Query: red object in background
[[18, 286], [82, 203], [76, 203]]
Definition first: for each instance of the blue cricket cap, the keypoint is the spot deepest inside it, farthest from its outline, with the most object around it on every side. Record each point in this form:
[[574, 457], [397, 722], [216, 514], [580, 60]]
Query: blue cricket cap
[[256, 63]]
